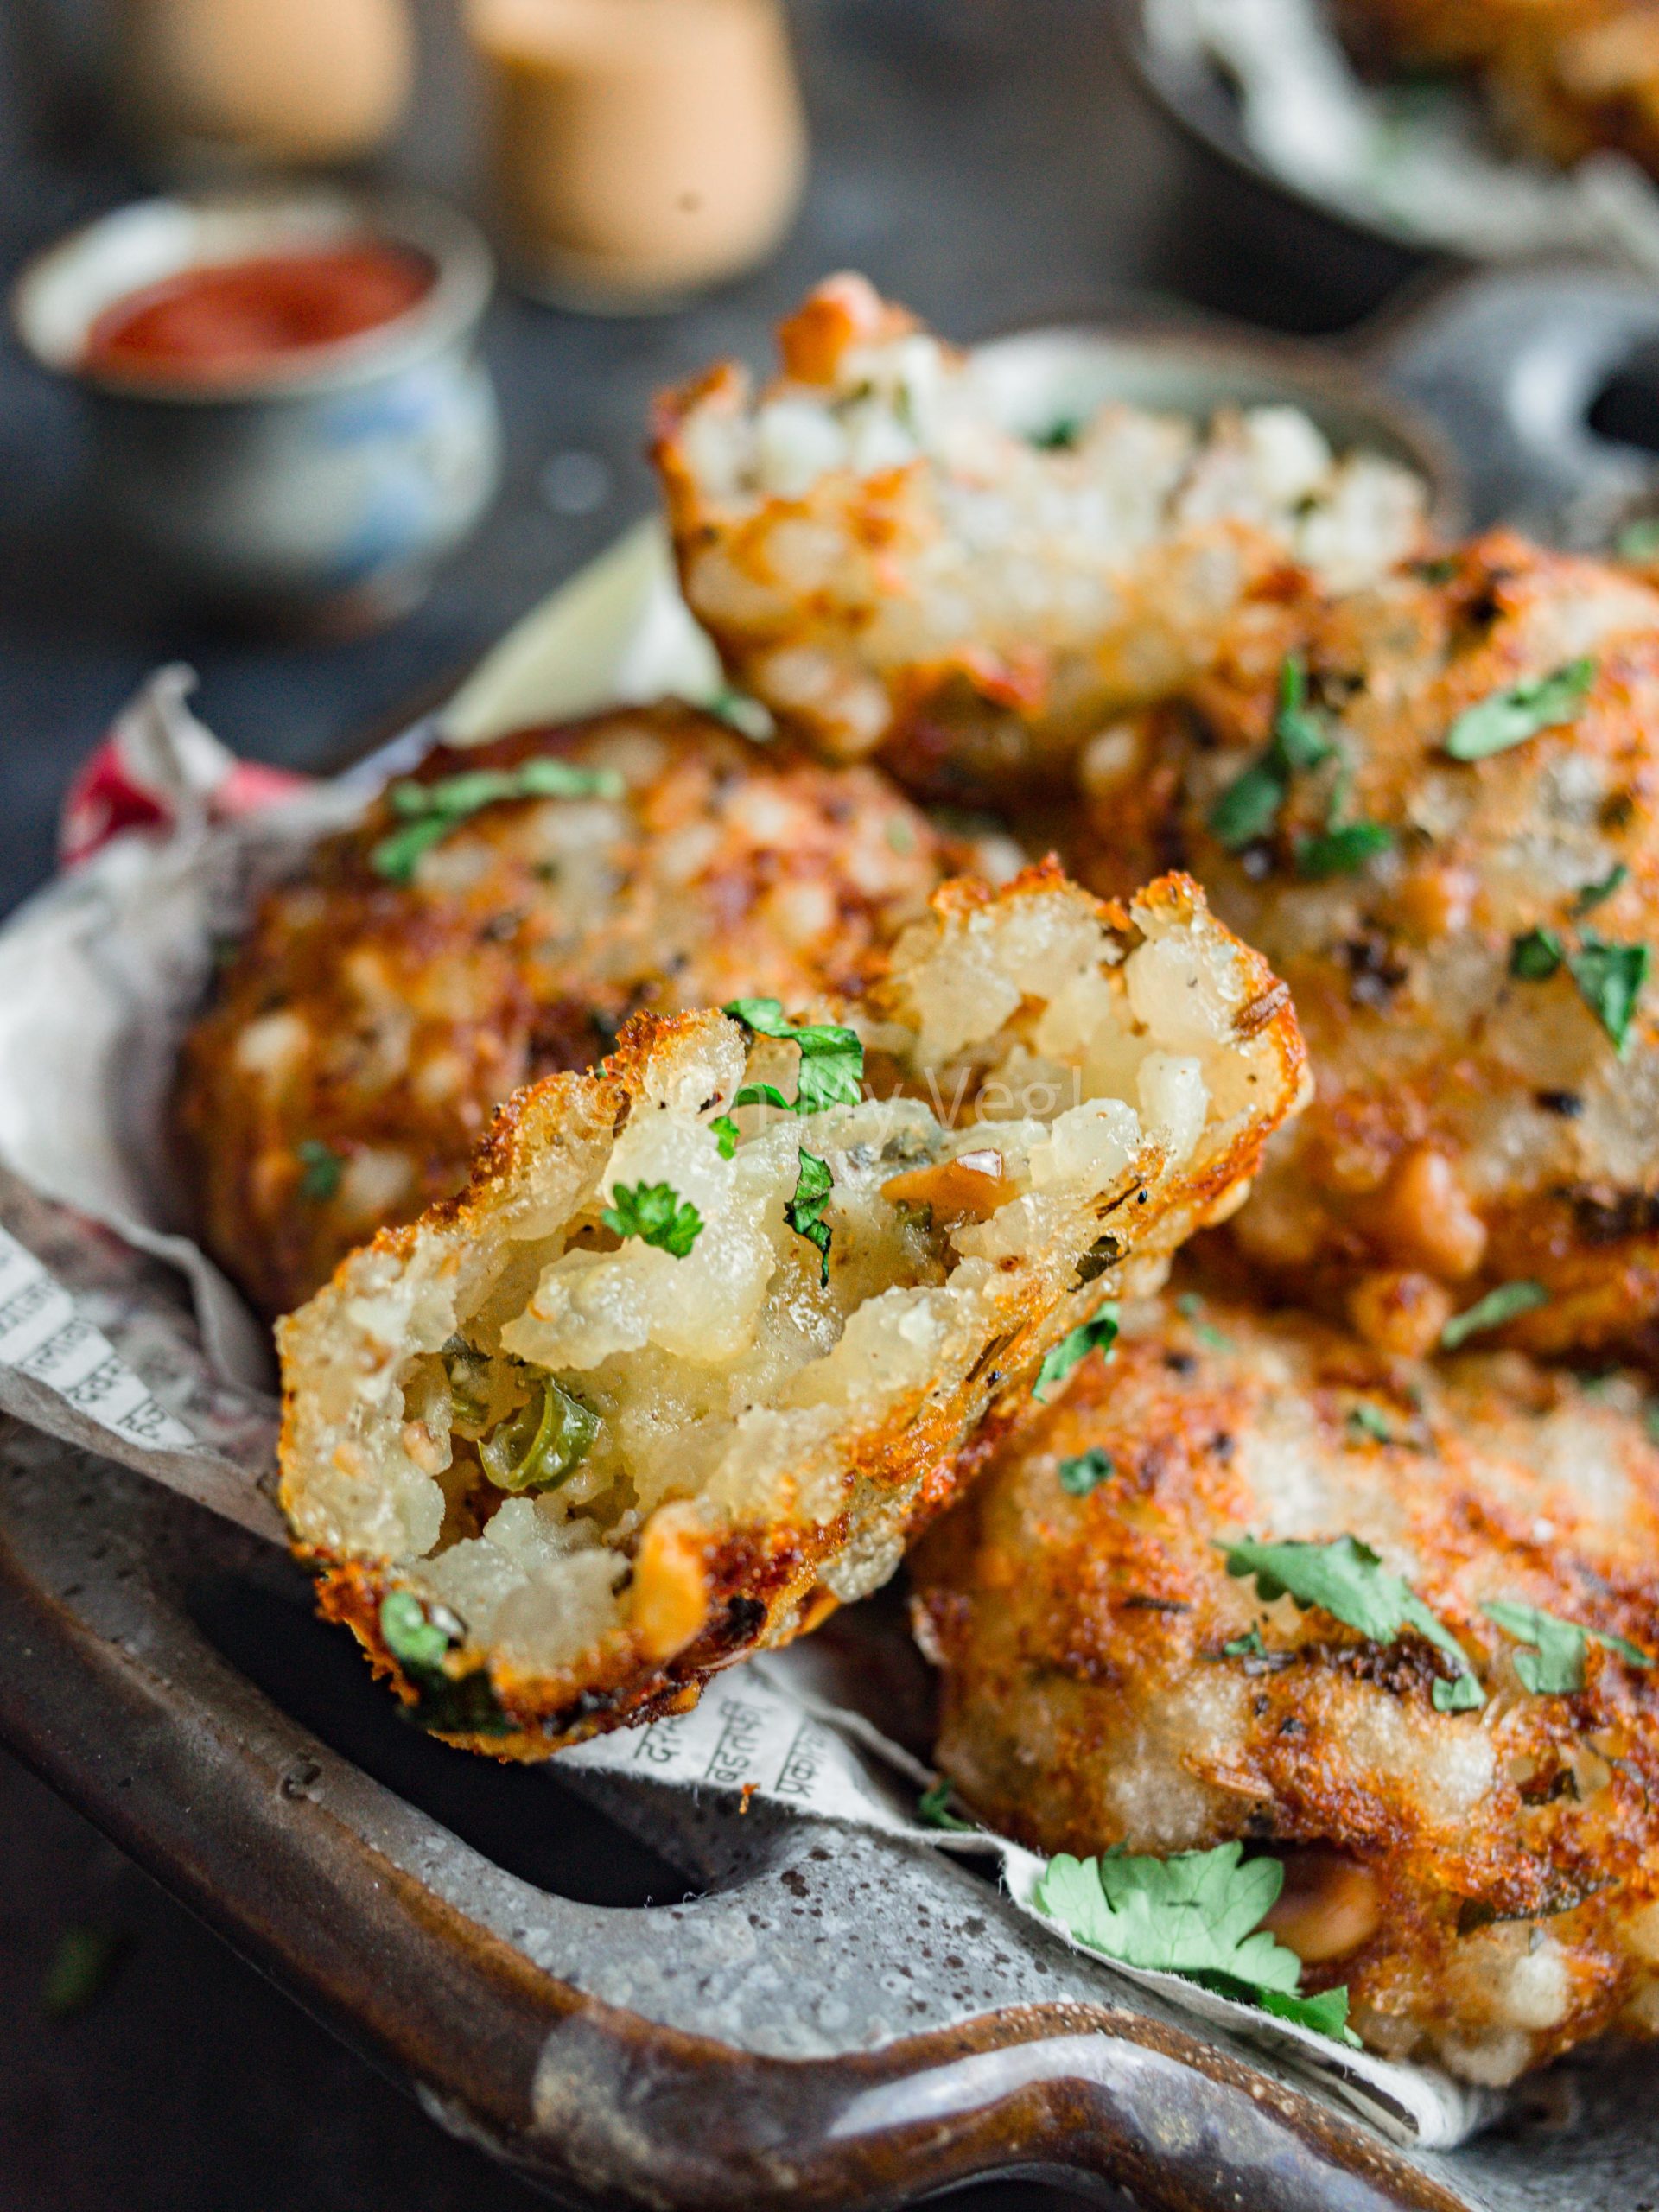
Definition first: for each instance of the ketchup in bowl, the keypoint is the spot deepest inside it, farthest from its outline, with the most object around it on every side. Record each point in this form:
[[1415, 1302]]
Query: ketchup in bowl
[[226, 319]]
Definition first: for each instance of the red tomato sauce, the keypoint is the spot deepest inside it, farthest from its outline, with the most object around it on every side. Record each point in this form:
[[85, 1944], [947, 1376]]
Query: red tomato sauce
[[227, 319]]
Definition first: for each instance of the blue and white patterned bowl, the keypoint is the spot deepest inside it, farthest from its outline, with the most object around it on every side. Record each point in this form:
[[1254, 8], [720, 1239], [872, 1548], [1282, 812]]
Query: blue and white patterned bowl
[[322, 492]]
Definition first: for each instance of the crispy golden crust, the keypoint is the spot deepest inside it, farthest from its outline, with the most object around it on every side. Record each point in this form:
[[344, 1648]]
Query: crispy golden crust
[[1562, 77], [384, 1022], [743, 1482], [1469, 1128], [896, 572], [1510, 1856]]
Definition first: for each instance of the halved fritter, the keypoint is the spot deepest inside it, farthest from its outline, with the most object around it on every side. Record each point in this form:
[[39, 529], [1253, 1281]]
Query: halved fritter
[[1562, 77], [393, 993], [891, 568], [678, 1372], [1465, 931], [1484, 1881]]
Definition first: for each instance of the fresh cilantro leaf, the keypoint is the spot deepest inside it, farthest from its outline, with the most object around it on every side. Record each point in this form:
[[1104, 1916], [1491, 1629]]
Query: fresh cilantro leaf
[[725, 1129], [1366, 1421], [1650, 1421], [543, 1444], [1611, 978], [805, 1211], [1086, 1473], [1298, 742], [1509, 717], [1440, 570], [1535, 957], [743, 714], [1249, 806], [1342, 852], [1593, 893], [1327, 2014], [1507, 1303], [1061, 436], [934, 1804], [410, 1637], [323, 1169], [1249, 1646], [1463, 1694], [431, 811], [1554, 1667], [84, 1958], [1348, 1580], [1197, 1914], [655, 1214], [832, 1057], [1190, 1304], [1639, 541], [763, 1094], [1098, 1334]]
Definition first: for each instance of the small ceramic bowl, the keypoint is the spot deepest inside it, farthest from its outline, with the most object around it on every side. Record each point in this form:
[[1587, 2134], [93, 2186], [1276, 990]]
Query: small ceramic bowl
[[319, 490]]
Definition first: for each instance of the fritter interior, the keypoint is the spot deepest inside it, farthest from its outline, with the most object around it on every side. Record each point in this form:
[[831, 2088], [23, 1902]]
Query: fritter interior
[[894, 569], [599, 1464], [368, 1026], [1485, 1883]]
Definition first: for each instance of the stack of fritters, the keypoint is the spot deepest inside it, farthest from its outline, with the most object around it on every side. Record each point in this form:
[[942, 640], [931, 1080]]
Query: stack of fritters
[[1562, 77], [718, 1329]]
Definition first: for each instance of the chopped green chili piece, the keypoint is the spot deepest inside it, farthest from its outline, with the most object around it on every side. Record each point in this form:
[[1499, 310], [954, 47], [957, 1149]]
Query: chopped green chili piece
[[543, 1444]]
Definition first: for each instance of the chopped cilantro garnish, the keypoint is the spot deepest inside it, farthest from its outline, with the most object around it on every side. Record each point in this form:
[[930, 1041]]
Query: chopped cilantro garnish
[[832, 1058], [1593, 893], [655, 1214], [1098, 1334], [1086, 1473], [1537, 956], [543, 1444], [409, 1635], [743, 714], [1248, 1646], [725, 1129], [1507, 1303], [1348, 1580], [1061, 436], [933, 1805], [1197, 1914], [431, 811], [1342, 852], [805, 1211], [82, 1962], [1509, 717], [1190, 1306], [1366, 1421], [1249, 806], [323, 1168], [1639, 541], [1555, 1666], [1610, 977]]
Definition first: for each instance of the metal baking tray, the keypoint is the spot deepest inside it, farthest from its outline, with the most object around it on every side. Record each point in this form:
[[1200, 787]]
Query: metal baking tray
[[644, 1998]]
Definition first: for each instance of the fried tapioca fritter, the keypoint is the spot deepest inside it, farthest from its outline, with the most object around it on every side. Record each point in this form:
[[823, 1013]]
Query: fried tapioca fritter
[[896, 571], [702, 1343], [1484, 1879], [1435, 807], [391, 995], [1562, 77]]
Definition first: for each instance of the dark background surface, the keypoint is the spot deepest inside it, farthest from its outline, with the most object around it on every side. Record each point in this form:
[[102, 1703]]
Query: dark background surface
[[987, 162]]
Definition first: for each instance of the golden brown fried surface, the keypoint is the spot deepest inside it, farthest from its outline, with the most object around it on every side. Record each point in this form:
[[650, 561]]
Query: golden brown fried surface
[[895, 570], [1563, 77], [586, 1468], [1472, 1128], [1485, 1883], [366, 1029]]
